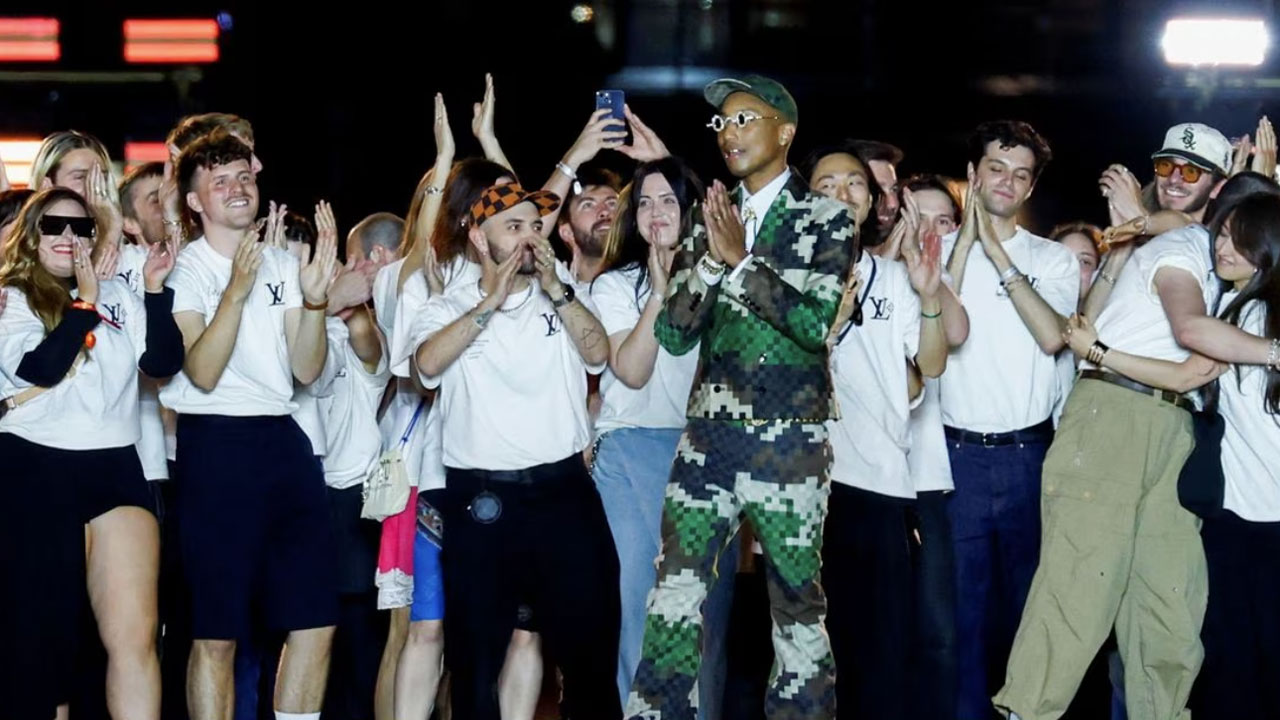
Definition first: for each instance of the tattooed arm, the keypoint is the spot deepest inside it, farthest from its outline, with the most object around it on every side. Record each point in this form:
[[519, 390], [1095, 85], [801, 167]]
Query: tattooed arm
[[586, 331]]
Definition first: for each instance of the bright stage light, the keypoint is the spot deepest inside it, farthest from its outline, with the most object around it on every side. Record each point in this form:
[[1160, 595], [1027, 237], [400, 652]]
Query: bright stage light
[[1215, 41]]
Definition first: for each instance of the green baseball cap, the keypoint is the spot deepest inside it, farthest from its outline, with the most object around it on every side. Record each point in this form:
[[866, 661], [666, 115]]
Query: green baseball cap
[[770, 91]]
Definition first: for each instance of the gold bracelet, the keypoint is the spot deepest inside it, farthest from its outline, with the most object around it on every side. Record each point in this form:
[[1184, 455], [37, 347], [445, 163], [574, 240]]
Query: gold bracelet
[[316, 306]]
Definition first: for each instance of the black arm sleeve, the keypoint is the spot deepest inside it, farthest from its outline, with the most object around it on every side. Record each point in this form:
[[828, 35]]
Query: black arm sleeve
[[164, 354], [47, 363]]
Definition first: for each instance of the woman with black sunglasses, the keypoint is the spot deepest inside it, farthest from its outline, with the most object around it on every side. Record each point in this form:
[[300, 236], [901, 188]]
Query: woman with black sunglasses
[[71, 346]]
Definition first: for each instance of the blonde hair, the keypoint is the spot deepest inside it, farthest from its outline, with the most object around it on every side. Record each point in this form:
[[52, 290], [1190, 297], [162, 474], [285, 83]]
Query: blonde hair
[[55, 147], [20, 266], [617, 232]]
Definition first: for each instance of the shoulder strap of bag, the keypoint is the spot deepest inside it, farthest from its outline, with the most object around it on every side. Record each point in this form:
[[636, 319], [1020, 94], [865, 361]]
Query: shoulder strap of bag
[[20, 398]]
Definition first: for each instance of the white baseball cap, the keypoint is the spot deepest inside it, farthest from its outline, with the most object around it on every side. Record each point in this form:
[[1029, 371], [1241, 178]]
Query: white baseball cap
[[1199, 145]]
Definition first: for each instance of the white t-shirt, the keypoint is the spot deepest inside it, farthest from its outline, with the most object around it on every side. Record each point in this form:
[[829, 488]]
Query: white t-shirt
[[1251, 441], [98, 406], [258, 379], [152, 443], [1000, 380], [1133, 320], [517, 396], [870, 439], [399, 414], [664, 399], [129, 267], [349, 411], [928, 459], [427, 462]]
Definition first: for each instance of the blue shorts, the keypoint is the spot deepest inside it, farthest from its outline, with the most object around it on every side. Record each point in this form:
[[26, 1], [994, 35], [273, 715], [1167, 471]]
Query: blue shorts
[[255, 528], [428, 580]]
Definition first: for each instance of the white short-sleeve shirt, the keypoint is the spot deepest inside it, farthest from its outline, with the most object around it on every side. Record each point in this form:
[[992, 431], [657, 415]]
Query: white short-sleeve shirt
[[1251, 441], [871, 438], [1133, 320], [1000, 380], [258, 379], [424, 457], [95, 408], [349, 411], [664, 399], [517, 396]]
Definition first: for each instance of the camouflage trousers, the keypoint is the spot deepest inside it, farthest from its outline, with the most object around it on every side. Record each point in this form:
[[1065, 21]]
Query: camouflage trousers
[[776, 475]]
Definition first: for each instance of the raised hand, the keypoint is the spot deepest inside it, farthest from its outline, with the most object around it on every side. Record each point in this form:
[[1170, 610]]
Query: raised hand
[[351, 288], [161, 257], [659, 275], [108, 258], [497, 280], [544, 259], [86, 278], [244, 268], [1123, 194], [170, 198], [924, 268], [482, 113], [596, 136], [645, 144], [314, 277], [443, 133], [1264, 155], [273, 229], [1240, 153]]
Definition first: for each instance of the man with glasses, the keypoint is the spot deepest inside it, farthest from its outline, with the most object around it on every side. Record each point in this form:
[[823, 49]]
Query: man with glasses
[[1193, 161], [755, 286]]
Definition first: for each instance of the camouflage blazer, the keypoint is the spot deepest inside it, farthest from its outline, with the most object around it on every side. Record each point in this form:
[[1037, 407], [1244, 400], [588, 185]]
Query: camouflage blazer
[[763, 353]]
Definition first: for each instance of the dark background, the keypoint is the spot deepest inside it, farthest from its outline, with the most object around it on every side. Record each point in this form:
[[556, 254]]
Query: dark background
[[340, 97]]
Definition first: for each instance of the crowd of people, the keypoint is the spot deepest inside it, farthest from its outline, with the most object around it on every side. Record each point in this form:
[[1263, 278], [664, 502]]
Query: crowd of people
[[520, 438]]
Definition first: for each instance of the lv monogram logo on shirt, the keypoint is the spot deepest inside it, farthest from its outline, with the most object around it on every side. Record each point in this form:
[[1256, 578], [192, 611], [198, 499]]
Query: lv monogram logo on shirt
[[882, 308], [277, 293], [115, 314], [553, 323]]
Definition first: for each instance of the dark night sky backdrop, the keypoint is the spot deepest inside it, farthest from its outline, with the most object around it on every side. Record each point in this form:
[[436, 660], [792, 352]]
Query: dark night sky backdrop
[[341, 98]]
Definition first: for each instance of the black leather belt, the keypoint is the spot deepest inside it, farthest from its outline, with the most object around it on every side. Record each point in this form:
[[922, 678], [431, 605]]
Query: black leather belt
[[1040, 432], [1169, 396]]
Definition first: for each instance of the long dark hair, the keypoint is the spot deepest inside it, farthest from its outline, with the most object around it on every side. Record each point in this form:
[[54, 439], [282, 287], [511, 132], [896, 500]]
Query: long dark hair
[[1255, 233], [625, 249], [467, 179]]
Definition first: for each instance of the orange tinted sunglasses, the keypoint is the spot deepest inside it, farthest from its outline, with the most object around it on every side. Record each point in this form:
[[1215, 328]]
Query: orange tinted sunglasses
[[1164, 167]]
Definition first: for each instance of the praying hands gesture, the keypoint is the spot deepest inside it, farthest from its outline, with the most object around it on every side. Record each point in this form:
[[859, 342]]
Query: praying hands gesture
[[726, 235]]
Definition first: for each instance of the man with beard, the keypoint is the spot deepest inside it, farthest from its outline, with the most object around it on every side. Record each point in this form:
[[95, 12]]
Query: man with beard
[[1189, 168], [585, 221], [527, 532], [882, 159]]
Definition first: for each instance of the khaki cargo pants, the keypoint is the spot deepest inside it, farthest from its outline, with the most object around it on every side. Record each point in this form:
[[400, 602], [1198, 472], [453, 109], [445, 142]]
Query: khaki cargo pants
[[1117, 549]]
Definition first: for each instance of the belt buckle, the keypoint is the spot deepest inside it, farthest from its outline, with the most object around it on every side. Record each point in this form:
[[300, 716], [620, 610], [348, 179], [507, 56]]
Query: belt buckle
[[988, 440]]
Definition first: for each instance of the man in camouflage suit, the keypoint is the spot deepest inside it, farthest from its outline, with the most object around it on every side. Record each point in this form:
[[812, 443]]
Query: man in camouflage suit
[[757, 283]]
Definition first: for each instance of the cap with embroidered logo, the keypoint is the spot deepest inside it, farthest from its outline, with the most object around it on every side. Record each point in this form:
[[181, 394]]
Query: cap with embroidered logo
[[1199, 145], [769, 90]]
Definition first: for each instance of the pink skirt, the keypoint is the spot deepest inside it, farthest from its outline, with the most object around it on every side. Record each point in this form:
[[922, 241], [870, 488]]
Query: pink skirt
[[395, 557]]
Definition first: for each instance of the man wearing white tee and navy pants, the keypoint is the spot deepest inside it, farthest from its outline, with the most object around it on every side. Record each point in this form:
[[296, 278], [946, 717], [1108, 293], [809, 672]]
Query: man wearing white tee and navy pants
[[866, 555], [255, 523], [997, 398], [526, 528]]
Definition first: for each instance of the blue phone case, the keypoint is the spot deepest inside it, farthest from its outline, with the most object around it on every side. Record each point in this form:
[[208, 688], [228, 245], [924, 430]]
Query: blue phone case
[[612, 100]]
